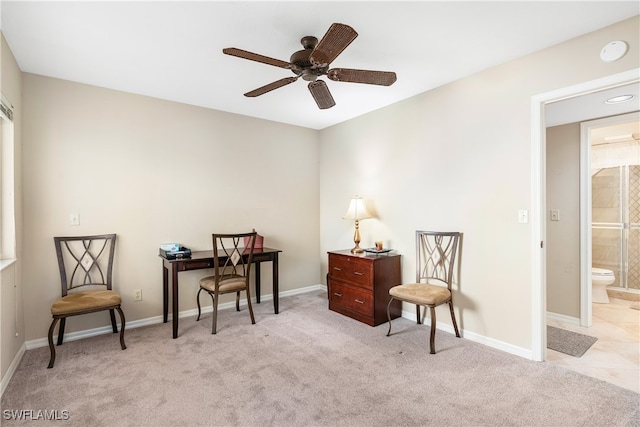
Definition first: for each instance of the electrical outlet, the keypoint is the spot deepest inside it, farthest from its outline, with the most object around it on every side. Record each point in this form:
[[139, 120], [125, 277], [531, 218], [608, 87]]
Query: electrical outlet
[[555, 214], [137, 295], [74, 219]]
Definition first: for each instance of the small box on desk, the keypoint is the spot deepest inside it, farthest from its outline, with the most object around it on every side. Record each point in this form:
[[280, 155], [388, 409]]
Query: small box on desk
[[259, 241], [174, 250]]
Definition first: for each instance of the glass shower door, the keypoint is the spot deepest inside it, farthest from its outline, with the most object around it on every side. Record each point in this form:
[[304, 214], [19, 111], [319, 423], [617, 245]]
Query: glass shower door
[[633, 232], [616, 223]]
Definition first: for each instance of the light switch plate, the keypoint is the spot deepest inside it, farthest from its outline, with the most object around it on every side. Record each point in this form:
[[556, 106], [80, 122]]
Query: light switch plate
[[523, 216], [555, 214]]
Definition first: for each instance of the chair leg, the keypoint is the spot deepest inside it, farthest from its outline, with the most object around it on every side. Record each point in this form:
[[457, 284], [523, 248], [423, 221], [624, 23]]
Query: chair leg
[[198, 301], [453, 319], [63, 322], [122, 344], [52, 348], [238, 301], [389, 315], [214, 321], [419, 319], [253, 320], [433, 330], [114, 326], [424, 314]]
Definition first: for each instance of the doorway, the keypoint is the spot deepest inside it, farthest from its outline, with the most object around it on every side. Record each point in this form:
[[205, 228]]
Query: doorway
[[538, 202], [610, 178], [540, 212]]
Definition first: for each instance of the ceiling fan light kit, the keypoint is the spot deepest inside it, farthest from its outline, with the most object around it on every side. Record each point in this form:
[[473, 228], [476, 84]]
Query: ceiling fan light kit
[[313, 61]]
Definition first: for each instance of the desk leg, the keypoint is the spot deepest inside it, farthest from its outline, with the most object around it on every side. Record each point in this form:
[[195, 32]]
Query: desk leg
[[165, 293], [174, 286], [257, 265], [276, 291]]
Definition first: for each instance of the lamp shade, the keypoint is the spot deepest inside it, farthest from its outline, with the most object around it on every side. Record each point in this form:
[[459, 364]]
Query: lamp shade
[[357, 210]]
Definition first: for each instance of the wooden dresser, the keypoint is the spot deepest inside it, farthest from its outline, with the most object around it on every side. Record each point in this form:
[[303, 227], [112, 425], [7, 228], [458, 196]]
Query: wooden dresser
[[359, 285]]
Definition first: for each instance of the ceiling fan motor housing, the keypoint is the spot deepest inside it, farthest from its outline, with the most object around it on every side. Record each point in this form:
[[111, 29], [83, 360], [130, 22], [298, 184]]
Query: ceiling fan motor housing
[[302, 65]]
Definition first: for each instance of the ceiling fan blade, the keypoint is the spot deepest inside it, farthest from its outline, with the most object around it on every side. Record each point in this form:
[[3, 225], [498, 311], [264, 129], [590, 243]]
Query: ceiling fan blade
[[383, 78], [271, 86], [321, 94], [255, 57], [337, 38]]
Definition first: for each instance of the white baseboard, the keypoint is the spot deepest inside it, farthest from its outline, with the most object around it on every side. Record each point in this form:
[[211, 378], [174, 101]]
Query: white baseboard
[[12, 369], [563, 318], [472, 336]]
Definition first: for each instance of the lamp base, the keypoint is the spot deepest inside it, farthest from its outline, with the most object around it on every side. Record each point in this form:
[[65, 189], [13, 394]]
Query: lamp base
[[357, 250], [356, 239]]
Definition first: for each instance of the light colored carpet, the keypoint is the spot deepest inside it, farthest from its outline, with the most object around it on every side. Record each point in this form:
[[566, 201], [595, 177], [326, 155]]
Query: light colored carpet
[[306, 366], [568, 342]]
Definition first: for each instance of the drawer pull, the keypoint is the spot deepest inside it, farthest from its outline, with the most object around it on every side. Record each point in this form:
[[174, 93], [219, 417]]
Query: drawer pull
[[337, 268], [357, 273], [358, 301], [337, 294]]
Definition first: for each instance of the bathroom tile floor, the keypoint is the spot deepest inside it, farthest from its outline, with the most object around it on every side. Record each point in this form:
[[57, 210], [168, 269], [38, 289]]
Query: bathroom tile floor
[[615, 357]]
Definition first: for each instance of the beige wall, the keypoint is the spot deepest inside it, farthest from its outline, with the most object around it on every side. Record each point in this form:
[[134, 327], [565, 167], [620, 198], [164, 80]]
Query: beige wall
[[12, 327], [563, 237], [454, 158], [153, 172], [458, 158]]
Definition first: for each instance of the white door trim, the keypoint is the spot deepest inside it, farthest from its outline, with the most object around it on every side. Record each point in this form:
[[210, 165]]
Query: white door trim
[[585, 220], [538, 197]]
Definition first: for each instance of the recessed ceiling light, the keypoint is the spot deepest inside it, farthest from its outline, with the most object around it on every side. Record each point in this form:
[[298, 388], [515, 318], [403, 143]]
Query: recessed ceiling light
[[619, 99]]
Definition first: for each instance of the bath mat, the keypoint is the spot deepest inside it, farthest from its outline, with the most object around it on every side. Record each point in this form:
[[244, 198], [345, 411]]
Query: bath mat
[[567, 342]]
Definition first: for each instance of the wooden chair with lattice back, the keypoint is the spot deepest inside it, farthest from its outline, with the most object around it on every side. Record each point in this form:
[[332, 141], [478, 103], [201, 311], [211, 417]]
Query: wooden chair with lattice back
[[86, 275], [435, 265], [232, 258]]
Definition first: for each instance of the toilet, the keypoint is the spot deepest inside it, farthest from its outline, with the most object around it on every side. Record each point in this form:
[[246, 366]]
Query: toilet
[[600, 279]]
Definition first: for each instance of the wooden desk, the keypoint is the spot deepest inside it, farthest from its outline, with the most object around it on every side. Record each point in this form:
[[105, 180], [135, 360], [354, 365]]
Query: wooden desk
[[204, 259]]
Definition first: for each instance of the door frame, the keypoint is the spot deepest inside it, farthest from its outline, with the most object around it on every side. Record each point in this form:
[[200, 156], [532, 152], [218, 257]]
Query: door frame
[[538, 196], [586, 259]]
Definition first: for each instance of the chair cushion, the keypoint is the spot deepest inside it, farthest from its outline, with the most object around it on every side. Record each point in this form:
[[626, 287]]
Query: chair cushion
[[229, 283], [421, 293], [81, 302]]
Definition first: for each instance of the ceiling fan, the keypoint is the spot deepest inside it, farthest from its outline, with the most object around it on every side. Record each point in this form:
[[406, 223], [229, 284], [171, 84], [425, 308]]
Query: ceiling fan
[[313, 61]]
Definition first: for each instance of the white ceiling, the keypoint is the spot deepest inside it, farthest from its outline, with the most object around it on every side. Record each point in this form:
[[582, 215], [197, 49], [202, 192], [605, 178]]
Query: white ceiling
[[173, 50]]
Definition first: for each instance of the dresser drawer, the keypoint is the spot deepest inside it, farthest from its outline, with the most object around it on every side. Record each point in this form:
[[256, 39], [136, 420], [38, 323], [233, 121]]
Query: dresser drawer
[[351, 269], [352, 298]]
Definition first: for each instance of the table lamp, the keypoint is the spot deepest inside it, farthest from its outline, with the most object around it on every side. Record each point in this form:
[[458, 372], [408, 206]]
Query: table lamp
[[357, 211]]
